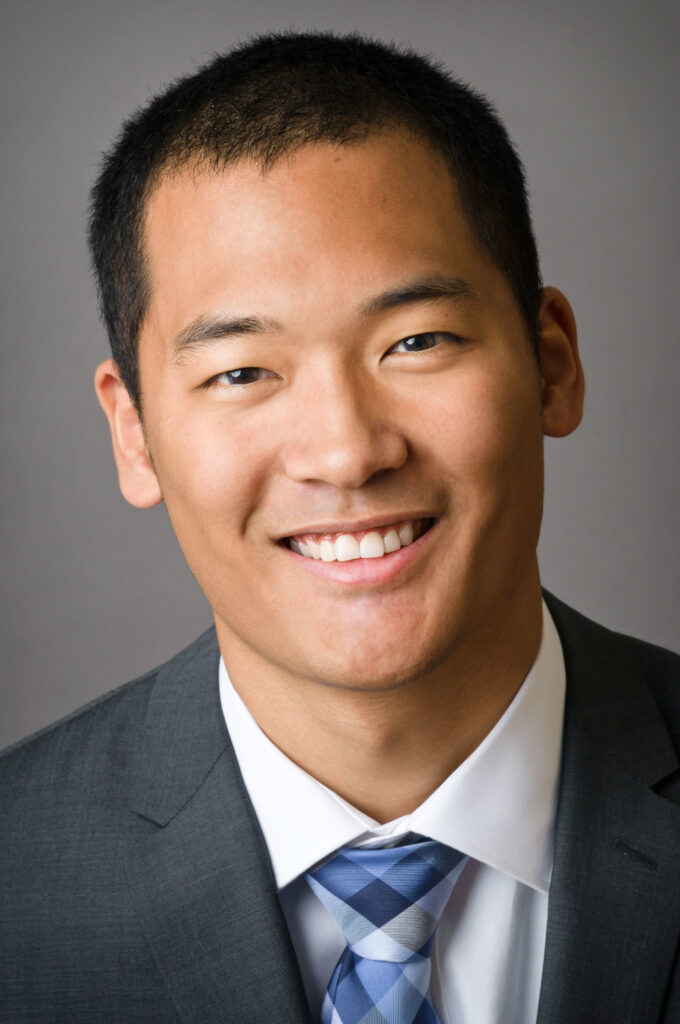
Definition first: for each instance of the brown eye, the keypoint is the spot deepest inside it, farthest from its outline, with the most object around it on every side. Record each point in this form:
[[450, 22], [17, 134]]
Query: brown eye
[[424, 342], [244, 375]]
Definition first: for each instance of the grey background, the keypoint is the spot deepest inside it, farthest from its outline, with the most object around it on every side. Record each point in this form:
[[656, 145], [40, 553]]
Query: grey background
[[94, 592]]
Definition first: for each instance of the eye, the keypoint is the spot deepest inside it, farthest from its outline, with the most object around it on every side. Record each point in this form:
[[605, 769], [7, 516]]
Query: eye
[[424, 342], [243, 375]]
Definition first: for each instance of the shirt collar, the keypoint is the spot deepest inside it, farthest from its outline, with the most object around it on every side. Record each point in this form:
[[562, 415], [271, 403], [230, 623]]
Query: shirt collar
[[498, 806]]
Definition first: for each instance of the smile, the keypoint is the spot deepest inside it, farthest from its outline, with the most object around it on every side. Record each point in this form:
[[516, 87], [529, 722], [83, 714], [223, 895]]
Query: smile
[[363, 544]]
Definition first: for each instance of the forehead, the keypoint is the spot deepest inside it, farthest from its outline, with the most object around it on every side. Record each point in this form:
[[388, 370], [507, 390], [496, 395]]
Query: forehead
[[320, 225]]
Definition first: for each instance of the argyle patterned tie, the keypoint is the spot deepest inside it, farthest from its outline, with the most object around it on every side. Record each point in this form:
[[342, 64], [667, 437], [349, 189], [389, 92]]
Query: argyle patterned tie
[[388, 902]]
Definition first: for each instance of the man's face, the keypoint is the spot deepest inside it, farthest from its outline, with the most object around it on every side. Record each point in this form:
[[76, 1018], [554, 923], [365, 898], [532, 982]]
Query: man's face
[[300, 382]]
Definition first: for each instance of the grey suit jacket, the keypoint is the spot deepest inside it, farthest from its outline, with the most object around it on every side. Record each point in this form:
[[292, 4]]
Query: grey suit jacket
[[135, 884]]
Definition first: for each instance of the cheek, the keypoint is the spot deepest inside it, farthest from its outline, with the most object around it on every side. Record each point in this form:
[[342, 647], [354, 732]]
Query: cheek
[[212, 477], [489, 441], [490, 418]]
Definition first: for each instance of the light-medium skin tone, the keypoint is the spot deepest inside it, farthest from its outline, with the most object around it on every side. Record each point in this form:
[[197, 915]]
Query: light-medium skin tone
[[301, 378]]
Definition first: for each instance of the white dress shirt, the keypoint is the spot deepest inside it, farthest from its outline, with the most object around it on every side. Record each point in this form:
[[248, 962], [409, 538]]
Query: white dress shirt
[[498, 807]]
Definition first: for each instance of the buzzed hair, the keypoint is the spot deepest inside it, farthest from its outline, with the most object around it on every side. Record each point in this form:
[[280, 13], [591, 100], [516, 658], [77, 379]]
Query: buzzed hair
[[274, 94]]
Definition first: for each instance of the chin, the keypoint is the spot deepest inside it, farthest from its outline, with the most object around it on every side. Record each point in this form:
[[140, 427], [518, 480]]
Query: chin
[[378, 669]]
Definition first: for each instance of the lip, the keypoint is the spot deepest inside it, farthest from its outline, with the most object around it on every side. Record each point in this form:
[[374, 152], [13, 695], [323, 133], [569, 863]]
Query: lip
[[367, 572]]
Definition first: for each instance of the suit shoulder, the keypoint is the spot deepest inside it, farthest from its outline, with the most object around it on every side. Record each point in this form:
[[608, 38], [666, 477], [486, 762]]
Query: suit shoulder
[[86, 745], [72, 761], [591, 649], [661, 669], [658, 660]]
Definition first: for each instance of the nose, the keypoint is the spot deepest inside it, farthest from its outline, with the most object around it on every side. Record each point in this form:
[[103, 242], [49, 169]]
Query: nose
[[342, 435]]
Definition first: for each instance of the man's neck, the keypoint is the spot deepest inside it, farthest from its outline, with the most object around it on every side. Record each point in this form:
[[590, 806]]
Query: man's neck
[[385, 751]]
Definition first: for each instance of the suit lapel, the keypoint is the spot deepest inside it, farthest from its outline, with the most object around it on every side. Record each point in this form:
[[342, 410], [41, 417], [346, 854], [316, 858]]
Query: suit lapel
[[201, 879], [614, 902]]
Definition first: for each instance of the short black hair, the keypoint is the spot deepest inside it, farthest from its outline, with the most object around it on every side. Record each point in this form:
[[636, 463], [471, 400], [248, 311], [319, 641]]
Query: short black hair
[[268, 97]]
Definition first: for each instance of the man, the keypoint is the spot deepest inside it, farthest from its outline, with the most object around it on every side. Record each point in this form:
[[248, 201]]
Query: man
[[392, 784]]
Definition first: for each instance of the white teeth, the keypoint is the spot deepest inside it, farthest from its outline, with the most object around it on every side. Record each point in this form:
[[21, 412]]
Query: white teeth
[[314, 548], [347, 548], [371, 546], [406, 535], [391, 541], [327, 548]]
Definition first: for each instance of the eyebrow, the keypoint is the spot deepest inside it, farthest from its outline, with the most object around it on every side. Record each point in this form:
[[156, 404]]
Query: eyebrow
[[424, 289], [205, 329]]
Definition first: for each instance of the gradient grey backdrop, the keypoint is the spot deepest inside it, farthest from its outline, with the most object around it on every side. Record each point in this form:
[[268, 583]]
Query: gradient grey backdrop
[[95, 592]]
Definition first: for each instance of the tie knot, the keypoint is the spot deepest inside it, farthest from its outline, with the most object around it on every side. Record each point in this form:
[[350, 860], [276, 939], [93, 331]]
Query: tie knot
[[388, 900]]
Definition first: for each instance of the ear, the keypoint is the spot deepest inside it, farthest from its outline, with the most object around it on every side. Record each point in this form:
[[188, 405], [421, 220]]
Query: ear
[[136, 475], [561, 371]]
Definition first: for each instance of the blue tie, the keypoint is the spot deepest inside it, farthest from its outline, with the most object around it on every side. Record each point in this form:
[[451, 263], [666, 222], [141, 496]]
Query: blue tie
[[388, 903]]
